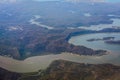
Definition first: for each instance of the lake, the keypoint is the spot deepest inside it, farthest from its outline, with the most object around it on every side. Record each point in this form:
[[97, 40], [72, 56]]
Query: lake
[[115, 24], [82, 40]]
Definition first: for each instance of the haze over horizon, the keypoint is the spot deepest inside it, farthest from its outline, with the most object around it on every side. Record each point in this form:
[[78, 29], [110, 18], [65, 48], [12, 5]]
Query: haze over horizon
[[83, 0], [64, 0]]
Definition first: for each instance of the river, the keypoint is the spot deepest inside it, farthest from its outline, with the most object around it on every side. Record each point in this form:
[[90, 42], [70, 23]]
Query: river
[[33, 64]]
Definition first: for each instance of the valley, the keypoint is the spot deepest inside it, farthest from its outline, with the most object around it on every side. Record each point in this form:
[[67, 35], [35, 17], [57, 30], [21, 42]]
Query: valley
[[59, 40]]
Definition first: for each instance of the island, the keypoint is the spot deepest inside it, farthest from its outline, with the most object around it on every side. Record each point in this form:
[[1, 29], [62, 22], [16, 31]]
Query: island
[[101, 39], [113, 42]]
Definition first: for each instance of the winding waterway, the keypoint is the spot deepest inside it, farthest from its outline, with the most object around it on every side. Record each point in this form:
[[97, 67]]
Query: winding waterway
[[33, 21], [33, 64]]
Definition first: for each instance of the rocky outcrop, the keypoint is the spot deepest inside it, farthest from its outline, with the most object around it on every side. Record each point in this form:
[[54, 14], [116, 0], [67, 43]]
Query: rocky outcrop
[[7, 75]]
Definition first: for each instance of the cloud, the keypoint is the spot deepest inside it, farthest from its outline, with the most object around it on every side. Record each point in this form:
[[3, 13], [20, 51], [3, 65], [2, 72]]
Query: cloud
[[12, 0], [8, 1]]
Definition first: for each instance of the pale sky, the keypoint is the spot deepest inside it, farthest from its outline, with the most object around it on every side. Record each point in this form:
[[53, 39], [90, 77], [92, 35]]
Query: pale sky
[[58, 0], [98, 0]]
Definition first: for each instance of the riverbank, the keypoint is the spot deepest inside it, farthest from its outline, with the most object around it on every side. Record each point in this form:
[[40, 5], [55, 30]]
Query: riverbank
[[67, 70]]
